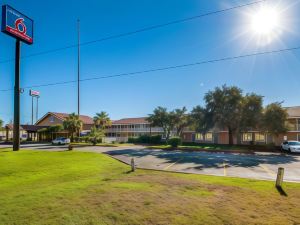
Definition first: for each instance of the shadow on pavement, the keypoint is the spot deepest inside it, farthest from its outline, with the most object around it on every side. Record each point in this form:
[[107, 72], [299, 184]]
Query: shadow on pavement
[[209, 160]]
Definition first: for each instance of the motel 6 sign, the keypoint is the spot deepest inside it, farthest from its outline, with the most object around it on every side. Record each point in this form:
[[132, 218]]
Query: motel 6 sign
[[17, 25], [34, 93]]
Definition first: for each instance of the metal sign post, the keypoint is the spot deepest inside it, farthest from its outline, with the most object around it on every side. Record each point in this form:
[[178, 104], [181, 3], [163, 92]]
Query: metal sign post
[[34, 94], [16, 127], [20, 27]]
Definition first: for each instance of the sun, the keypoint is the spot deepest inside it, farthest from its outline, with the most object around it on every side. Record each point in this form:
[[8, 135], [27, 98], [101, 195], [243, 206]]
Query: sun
[[266, 21]]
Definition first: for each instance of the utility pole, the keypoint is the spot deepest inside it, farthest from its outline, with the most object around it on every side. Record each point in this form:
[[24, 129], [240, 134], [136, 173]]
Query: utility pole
[[78, 67], [16, 132], [78, 71]]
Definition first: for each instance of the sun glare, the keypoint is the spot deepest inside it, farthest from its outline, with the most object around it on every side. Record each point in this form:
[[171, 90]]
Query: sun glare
[[266, 21]]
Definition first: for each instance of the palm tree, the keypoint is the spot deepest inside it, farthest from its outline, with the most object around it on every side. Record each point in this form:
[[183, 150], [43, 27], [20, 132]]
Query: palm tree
[[1, 123], [73, 124], [102, 120]]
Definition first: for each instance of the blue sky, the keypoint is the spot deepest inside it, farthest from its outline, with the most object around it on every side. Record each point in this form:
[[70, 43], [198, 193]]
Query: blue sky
[[210, 37]]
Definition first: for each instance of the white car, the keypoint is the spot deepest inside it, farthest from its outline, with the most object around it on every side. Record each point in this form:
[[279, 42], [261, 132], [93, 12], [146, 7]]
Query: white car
[[61, 141], [291, 146]]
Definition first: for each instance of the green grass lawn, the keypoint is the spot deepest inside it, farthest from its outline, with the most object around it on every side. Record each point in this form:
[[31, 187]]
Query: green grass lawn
[[89, 188]]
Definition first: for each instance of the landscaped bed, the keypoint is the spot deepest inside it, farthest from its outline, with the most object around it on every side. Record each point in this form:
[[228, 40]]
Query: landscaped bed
[[219, 148], [88, 188]]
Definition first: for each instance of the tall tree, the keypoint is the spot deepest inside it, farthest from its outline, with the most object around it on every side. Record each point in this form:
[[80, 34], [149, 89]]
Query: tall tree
[[201, 120], [102, 120], [274, 119], [252, 112], [73, 124], [225, 105], [162, 118], [180, 119], [1, 123]]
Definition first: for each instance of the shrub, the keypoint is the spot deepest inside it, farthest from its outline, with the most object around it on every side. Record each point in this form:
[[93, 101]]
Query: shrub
[[155, 139], [145, 139], [174, 142], [132, 140]]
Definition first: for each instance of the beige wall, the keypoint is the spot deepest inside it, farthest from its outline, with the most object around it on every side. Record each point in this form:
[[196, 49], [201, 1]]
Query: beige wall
[[55, 121], [46, 121]]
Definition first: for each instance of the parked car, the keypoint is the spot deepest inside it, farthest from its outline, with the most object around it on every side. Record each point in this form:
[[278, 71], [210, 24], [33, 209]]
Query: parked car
[[61, 141], [291, 146]]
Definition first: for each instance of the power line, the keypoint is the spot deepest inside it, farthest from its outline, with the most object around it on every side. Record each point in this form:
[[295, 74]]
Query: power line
[[139, 30], [163, 68]]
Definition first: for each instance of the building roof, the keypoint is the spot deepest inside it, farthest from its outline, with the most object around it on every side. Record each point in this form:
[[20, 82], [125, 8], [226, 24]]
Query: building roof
[[63, 116], [141, 120], [83, 118], [28, 128], [293, 112], [11, 127], [32, 128]]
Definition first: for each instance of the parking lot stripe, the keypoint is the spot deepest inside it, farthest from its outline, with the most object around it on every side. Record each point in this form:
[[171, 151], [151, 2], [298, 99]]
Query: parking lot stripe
[[267, 170], [172, 164], [225, 168]]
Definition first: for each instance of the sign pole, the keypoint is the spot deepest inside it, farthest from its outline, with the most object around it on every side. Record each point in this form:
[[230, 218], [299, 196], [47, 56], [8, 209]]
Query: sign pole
[[16, 132], [37, 108], [19, 26], [31, 110]]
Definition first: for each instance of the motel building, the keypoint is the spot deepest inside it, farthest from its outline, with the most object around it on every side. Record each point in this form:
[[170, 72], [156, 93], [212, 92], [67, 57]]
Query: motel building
[[123, 129]]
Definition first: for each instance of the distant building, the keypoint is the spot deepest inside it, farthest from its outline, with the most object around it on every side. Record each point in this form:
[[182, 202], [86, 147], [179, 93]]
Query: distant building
[[219, 136], [123, 129]]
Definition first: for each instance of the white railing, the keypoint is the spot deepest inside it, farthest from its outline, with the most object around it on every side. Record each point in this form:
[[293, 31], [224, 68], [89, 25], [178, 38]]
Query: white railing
[[143, 130]]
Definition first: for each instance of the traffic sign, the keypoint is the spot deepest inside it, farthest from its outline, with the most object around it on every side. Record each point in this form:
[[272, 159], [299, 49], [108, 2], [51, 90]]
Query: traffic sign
[[17, 24]]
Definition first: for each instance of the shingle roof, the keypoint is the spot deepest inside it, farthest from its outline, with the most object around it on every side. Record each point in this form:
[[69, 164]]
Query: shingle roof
[[141, 120], [11, 126], [293, 111], [32, 128], [83, 118]]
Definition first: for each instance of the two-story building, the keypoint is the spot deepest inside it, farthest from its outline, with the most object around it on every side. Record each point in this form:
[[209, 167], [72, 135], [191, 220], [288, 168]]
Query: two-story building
[[122, 129], [219, 136]]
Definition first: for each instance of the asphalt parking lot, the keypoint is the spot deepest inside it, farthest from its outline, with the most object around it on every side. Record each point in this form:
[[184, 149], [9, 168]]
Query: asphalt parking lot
[[259, 166]]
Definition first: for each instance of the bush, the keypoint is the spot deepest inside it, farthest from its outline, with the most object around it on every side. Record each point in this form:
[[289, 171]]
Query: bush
[[155, 139], [145, 139], [94, 140], [132, 140], [175, 142]]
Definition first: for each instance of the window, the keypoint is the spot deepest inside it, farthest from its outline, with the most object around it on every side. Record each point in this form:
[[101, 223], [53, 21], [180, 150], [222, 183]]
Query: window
[[199, 137], [247, 136], [298, 125], [260, 137], [51, 119], [209, 136]]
